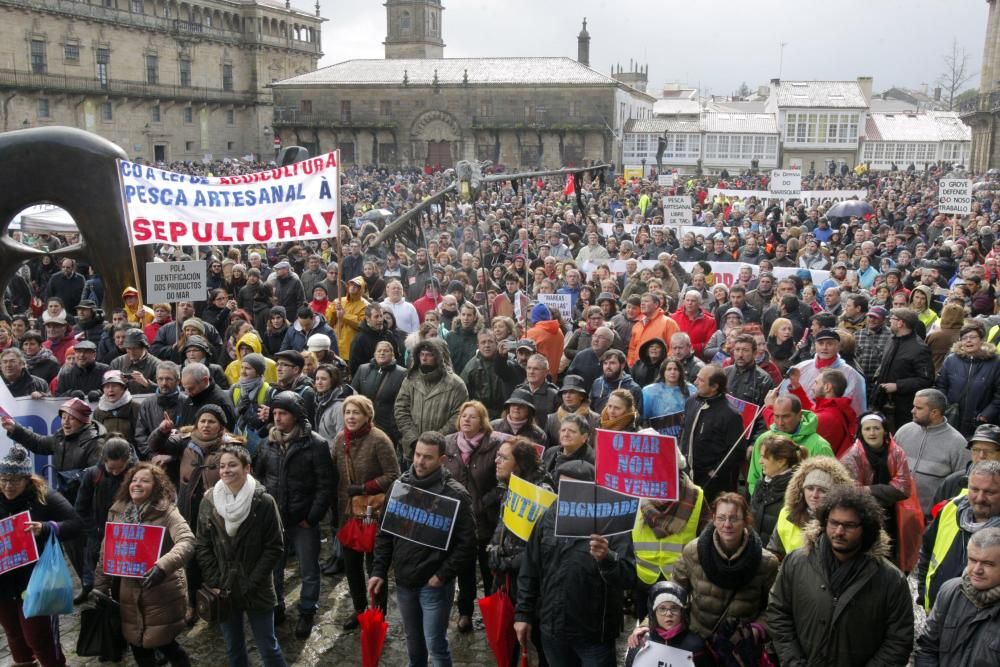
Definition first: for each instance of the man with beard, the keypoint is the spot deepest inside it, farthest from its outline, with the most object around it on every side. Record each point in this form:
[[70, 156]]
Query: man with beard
[[85, 374], [89, 322], [613, 376], [288, 291], [417, 276], [761, 297], [165, 401], [846, 557], [137, 365]]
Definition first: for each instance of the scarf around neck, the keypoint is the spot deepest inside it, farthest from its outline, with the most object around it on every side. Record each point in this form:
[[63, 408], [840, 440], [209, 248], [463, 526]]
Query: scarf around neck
[[351, 437], [248, 394], [233, 508], [466, 446], [729, 574], [981, 599], [669, 517], [109, 406], [623, 422], [133, 513], [282, 439]]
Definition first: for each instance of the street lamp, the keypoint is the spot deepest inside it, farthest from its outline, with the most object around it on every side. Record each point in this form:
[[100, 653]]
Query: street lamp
[[644, 167], [267, 141]]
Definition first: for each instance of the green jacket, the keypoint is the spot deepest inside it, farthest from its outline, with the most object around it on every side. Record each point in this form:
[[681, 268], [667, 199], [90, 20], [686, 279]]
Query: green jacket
[[429, 402], [806, 436]]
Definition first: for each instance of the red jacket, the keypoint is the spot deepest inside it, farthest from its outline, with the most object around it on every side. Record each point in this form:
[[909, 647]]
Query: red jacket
[[425, 304], [699, 329], [837, 421]]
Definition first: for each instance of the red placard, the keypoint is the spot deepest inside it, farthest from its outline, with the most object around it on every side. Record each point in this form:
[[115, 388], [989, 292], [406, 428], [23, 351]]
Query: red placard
[[131, 549], [17, 545], [638, 464], [747, 411]]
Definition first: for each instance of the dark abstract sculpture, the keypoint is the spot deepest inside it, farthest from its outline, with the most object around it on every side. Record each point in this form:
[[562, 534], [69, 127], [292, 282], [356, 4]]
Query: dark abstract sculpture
[[77, 171]]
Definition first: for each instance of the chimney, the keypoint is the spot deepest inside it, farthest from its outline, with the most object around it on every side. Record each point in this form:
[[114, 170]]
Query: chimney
[[866, 88], [583, 45], [937, 94], [923, 88]]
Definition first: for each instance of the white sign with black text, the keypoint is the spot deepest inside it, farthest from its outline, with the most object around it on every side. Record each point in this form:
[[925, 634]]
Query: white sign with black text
[[955, 196], [786, 183], [677, 210], [169, 282]]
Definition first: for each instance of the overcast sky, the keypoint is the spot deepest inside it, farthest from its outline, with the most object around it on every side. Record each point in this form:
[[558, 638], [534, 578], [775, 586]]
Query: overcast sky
[[719, 43]]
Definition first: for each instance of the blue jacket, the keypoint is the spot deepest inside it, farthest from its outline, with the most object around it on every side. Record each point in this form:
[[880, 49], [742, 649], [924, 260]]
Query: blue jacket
[[602, 389], [296, 338]]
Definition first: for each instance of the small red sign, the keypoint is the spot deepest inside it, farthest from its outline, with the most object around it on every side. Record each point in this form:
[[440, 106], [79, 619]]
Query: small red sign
[[17, 545], [638, 464], [131, 549]]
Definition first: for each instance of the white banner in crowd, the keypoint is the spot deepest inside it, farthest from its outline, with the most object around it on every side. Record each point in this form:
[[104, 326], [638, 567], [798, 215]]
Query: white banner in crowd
[[724, 272], [289, 203], [677, 210], [561, 302], [807, 197]]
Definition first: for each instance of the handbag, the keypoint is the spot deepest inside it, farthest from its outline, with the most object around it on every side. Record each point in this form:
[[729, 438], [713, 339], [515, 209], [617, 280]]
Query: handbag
[[213, 608], [101, 631], [953, 413]]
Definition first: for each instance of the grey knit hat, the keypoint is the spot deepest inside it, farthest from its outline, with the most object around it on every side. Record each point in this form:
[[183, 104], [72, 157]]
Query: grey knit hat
[[17, 462], [256, 361]]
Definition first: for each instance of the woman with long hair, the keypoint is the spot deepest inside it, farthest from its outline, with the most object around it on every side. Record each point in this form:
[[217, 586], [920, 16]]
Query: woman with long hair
[[969, 377], [663, 401], [781, 343], [239, 543], [21, 490], [331, 392], [366, 463], [472, 452], [153, 606], [875, 461]]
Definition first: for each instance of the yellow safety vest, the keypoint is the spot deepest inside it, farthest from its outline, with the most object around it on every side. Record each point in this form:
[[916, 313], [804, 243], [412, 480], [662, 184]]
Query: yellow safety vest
[[655, 556], [947, 530], [261, 394], [789, 534]]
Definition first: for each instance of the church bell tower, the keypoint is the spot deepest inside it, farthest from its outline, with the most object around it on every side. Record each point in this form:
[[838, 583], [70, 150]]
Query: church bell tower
[[413, 29]]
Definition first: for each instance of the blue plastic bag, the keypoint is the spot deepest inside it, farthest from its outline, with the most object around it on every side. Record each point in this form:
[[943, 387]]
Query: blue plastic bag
[[50, 589]]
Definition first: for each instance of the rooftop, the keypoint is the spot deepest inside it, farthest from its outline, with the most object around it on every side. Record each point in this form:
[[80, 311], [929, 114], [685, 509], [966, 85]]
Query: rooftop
[[676, 107], [821, 94], [745, 123], [661, 125], [925, 126], [525, 71]]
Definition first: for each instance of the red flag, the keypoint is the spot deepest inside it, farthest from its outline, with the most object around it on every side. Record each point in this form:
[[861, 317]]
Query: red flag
[[570, 186]]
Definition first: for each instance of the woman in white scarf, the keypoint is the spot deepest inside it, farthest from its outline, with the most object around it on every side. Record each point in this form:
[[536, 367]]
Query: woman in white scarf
[[240, 542]]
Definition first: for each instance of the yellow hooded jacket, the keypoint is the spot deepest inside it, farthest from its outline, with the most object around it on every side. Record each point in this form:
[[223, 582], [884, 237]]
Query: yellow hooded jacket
[[141, 315], [253, 341], [354, 313]]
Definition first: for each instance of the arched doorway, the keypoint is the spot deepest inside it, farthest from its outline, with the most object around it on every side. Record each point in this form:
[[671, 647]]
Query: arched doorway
[[436, 138]]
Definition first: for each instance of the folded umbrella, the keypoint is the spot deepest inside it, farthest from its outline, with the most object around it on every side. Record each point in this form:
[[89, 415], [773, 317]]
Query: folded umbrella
[[498, 619], [373, 632]]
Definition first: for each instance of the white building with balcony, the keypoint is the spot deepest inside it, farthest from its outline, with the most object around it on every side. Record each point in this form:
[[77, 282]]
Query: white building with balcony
[[902, 139]]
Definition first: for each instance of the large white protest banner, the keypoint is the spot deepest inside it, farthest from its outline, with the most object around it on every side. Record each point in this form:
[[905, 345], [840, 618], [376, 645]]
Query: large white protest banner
[[807, 197], [955, 196], [289, 203], [725, 273], [785, 183]]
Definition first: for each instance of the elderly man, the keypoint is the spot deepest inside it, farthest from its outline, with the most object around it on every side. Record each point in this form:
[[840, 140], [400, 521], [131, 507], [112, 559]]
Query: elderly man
[[544, 394], [288, 291], [693, 320], [84, 375], [945, 548], [491, 375], [711, 436], [587, 363], [406, 316], [682, 351], [828, 356], [196, 380], [14, 368], [933, 447], [962, 628]]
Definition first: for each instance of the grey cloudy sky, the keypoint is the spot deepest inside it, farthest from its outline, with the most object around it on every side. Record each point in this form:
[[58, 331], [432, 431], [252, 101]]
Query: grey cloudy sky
[[720, 43]]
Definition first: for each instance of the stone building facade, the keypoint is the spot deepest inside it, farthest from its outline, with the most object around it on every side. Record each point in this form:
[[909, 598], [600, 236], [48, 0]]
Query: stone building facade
[[982, 113], [417, 108], [163, 79]]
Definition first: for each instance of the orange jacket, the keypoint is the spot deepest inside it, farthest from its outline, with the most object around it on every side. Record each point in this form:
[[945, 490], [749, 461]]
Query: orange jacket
[[548, 337], [659, 326]]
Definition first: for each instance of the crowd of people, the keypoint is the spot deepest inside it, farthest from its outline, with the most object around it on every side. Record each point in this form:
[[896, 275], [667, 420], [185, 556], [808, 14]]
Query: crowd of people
[[291, 402]]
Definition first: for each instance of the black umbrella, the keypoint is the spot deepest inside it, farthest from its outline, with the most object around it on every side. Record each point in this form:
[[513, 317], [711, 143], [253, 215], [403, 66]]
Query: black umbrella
[[851, 208]]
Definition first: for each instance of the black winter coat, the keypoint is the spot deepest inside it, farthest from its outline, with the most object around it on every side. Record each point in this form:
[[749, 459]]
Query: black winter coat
[[74, 378], [711, 428], [973, 383], [907, 362], [68, 452], [242, 564], [571, 595], [364, 342], [381, 386], [414, 563], [492, 381], [300, 477], [214, 394], [150, 415], [96, 496], [25, 384], [766, 503], [57, 509]]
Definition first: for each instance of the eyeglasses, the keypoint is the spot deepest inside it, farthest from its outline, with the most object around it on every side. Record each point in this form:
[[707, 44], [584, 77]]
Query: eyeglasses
[[848, 526], [669, 611], [734, 520], [11, 481], [503, 457]]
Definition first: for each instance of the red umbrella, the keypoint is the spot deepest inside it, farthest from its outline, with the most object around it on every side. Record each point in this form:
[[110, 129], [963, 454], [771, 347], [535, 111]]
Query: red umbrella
[[373, 631], [498, 619]]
